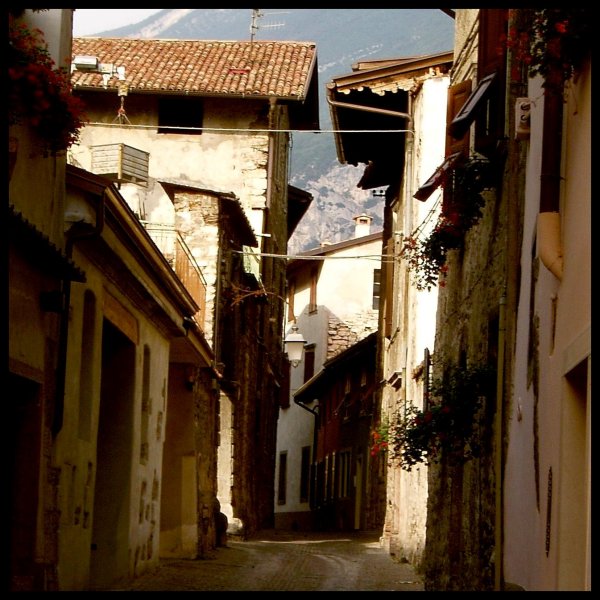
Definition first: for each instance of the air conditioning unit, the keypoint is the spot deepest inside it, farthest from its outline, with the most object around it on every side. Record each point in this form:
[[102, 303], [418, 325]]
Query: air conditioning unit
[[121, 163]]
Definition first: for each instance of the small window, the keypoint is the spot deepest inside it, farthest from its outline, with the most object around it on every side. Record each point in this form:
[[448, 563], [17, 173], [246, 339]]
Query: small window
[[314, 277], [376, 288], [291, 295], [282, 483], [490, 120], [284, 388], [305, 474], [344, 473], [180, 115], [309, 361]]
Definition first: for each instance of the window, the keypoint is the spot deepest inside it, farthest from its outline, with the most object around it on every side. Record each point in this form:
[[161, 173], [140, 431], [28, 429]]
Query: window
[[347, 400], [485, 105], [305, 474], [489, 124], [291, 294], [309, 361], [312, 306], [329, 475], [326, 484], [343, 473], [376, 288], [177, 112], [284, 389], [474, 105], [282, 484]]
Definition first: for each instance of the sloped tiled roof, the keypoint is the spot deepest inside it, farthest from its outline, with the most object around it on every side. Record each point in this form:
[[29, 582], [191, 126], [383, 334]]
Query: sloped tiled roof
[[256, 69]]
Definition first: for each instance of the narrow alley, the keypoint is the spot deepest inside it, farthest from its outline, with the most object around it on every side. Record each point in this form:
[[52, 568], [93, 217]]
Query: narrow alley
[[277, 560]]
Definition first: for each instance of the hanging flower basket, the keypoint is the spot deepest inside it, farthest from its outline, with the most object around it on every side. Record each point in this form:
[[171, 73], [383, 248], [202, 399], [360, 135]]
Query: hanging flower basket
[[39, 93], [426, 256], [447, 426]]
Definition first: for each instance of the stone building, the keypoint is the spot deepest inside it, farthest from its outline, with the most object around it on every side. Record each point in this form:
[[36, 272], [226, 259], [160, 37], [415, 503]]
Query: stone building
[[134, 359], [113, 329], [332, 299], [509, 476], [99, 321], [345, 479], [214, 116], [402, 96], [517, 299]]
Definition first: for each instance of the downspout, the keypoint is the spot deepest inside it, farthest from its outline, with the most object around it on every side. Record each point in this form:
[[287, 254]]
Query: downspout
[[498, 435], [76, 232], [548, 226]]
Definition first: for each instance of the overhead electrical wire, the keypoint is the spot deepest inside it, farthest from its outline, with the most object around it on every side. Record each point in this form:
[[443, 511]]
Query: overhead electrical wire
[[382, 258], [377, 257], [248, 130]]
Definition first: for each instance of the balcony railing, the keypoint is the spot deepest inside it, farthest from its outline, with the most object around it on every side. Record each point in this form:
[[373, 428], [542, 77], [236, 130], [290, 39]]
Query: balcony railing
[[179, 256]]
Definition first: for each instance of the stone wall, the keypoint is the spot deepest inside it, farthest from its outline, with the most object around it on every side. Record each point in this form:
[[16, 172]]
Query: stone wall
[[343, 334]]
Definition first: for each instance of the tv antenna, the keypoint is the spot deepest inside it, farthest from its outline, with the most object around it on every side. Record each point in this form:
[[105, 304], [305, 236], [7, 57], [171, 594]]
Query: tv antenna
[[257, 14]]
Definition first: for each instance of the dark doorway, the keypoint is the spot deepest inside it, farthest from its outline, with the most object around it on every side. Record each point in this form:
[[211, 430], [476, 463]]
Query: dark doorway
[[112, 499]]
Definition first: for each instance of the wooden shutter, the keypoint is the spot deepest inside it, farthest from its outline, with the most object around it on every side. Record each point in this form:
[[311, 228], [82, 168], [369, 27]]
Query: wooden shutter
[[291, 297], [491, 58], [309, 362], [457, 96], [284, 389]]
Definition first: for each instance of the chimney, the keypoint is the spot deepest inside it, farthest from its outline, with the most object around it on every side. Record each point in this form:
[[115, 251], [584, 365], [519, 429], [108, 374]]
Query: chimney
[[363, 225]]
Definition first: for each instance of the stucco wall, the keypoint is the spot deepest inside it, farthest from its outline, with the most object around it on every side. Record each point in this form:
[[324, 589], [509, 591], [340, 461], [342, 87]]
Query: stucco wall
[[544, 429], [76, 452], [413, 320]]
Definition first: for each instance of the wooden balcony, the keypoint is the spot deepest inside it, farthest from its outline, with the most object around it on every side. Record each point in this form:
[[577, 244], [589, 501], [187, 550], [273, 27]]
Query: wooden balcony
[[179, 256]]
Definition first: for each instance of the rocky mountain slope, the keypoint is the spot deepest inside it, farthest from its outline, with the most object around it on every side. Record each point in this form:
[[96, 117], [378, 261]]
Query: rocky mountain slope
[[343, 36]]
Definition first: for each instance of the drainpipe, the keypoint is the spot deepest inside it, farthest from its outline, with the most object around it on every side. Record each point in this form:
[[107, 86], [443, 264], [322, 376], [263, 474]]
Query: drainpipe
[[498, 434], [548, 226], [77, 231]]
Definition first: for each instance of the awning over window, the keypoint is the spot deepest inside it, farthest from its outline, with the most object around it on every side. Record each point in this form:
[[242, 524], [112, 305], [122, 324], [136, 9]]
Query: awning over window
[[438, 176]]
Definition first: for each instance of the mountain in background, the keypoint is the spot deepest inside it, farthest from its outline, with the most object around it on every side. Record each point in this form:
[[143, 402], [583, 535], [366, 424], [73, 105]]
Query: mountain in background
[[343, 36]]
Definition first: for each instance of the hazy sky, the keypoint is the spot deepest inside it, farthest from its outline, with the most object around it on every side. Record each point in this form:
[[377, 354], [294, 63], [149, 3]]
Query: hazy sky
[[87, 21]]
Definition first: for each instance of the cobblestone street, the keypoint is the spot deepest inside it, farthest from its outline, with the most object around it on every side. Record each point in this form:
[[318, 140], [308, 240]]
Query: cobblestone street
[[286, 561]]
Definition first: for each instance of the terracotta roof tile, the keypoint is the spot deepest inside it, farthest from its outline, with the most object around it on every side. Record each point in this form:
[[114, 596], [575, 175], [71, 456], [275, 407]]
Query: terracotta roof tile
[[258, 68]]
